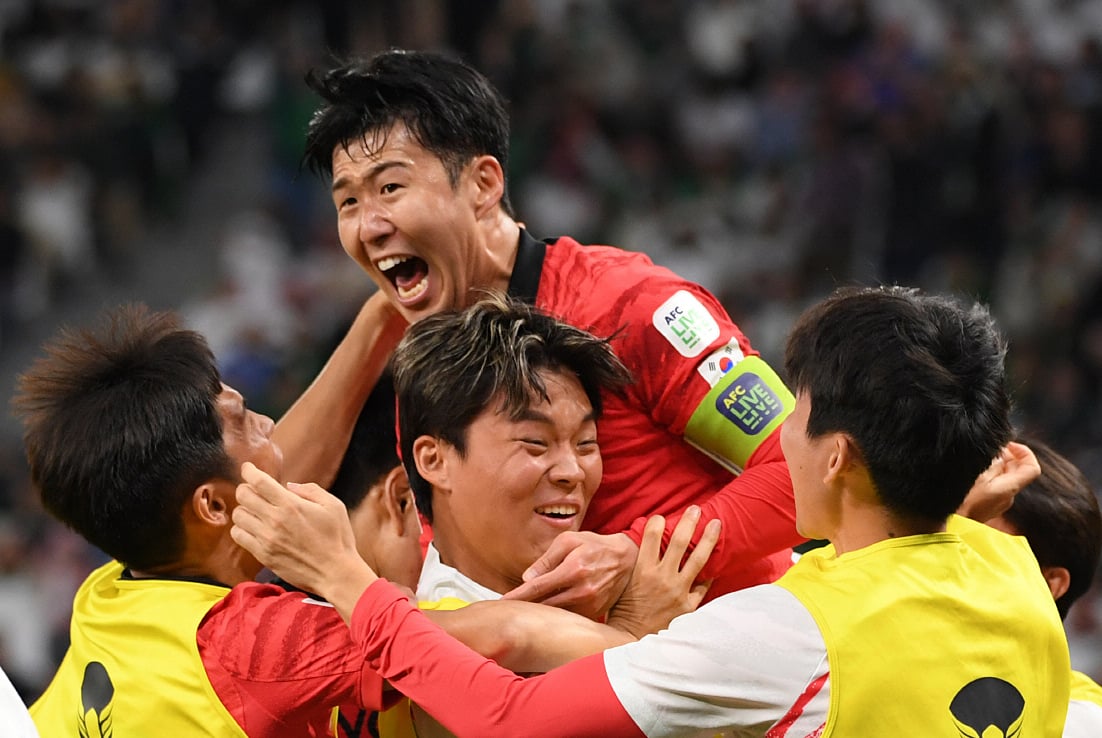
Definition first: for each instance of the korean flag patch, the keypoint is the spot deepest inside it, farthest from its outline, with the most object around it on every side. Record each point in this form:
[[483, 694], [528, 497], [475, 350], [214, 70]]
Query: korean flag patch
[[720, 361]]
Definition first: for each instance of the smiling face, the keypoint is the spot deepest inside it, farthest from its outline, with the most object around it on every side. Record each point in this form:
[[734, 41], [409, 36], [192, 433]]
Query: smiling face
[[520, 483], [402, 221]]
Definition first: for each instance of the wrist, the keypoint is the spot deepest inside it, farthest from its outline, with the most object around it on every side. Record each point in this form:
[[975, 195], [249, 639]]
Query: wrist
[[345, 582]]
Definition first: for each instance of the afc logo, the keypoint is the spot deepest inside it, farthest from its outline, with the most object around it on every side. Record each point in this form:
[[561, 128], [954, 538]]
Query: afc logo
[[749, 403], [685, 323]]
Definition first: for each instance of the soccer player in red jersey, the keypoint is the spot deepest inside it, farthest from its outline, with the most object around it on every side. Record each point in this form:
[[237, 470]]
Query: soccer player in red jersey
[[135, 443], [416, 145]]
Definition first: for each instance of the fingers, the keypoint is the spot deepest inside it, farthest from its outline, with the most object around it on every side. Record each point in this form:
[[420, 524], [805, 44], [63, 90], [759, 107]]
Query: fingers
[[555, 554], [539, 588], [266, 487], [681, 537], [703, 549], [651, 544]]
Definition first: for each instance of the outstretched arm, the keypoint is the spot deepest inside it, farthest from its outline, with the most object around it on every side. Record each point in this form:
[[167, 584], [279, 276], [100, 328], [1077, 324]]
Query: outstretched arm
[[304, 535], [315, 431]]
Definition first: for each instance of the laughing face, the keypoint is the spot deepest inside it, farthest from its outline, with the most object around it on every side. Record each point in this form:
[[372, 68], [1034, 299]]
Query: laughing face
[[521, 482], [421, 240]]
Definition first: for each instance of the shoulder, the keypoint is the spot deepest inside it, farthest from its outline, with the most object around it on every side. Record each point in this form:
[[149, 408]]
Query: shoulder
[[252, 607], [771, 620], [746, 658]]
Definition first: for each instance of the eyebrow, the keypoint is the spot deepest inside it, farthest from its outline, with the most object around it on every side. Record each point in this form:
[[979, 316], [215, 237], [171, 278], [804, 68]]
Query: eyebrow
[[372, 173], [535, 415]]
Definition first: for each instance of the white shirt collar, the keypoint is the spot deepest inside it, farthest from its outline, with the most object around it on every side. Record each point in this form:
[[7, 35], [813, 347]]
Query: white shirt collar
[[438, 580]]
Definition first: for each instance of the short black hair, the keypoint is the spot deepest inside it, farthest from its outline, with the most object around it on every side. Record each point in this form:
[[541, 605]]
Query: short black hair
[[452, 366], [1058, 513], [373, 449], [120, 425], [917, 381], [448, 106]]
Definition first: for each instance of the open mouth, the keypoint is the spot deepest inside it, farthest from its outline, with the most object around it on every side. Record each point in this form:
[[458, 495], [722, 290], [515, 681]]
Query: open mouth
[[408, 274], [558, 512]]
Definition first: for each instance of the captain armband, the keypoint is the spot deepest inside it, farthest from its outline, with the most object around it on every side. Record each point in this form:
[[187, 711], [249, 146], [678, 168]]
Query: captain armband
[[745, 405]]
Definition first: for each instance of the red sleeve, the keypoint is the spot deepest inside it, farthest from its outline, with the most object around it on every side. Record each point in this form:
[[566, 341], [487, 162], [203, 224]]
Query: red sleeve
[[757, 510], [471, 695], [277, 659]]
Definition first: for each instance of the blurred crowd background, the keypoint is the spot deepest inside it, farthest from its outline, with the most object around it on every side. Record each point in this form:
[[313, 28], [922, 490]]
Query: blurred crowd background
[[769, 149]]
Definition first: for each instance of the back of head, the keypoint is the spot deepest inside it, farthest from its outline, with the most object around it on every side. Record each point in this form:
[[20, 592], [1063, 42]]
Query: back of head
[[1058, 513], [917, 381], [373, 449], [452, 366], [120, 426], [449, 108]]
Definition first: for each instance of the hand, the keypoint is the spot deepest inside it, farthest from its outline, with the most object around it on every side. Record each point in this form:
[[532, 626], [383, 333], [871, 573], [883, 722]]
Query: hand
[[302, 534], [581, 571], [994, 490], [661, 588]]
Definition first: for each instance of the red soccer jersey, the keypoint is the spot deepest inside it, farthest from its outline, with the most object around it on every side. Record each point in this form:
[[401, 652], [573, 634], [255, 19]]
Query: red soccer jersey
[[648, 466], [276, 659]]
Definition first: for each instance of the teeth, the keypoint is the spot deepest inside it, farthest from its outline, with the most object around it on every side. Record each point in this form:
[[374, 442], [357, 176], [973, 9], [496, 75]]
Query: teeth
[[390, 262], [558, 510], [415, 291]]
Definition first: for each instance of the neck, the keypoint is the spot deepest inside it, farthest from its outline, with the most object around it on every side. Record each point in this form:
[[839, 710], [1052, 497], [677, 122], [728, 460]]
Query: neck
[[465, 560], [228, 564], [502, 236], [866, 525]]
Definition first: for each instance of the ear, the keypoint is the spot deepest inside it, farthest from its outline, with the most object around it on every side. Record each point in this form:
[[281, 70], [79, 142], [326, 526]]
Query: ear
[[212, 504], [397, 499], [432, 464], [1058, 578], [840, 456], [488, 181]]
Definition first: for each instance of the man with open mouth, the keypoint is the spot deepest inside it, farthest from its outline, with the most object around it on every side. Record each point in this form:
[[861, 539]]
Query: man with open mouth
[[415, 145]]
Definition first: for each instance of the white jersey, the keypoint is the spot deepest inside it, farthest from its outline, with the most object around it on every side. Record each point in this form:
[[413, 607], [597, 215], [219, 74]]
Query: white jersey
[[754, 658], [438, 580], [13, 713], [1084, 720]]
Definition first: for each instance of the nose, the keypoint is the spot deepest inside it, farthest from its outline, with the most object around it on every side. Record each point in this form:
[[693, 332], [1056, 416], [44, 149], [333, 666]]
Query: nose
[[567, 470], [267, 425], [375, 224]]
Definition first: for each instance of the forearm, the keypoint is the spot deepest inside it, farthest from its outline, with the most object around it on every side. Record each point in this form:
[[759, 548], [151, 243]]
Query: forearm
[[526, 637], [431, 668], [315, 431]]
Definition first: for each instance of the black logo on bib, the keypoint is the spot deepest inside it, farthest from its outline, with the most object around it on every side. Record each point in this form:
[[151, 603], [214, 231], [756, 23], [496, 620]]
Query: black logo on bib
[[96, 693], [988, 703]]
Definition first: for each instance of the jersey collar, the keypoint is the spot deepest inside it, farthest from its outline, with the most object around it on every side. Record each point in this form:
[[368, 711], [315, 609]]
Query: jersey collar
[[524, 283]]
